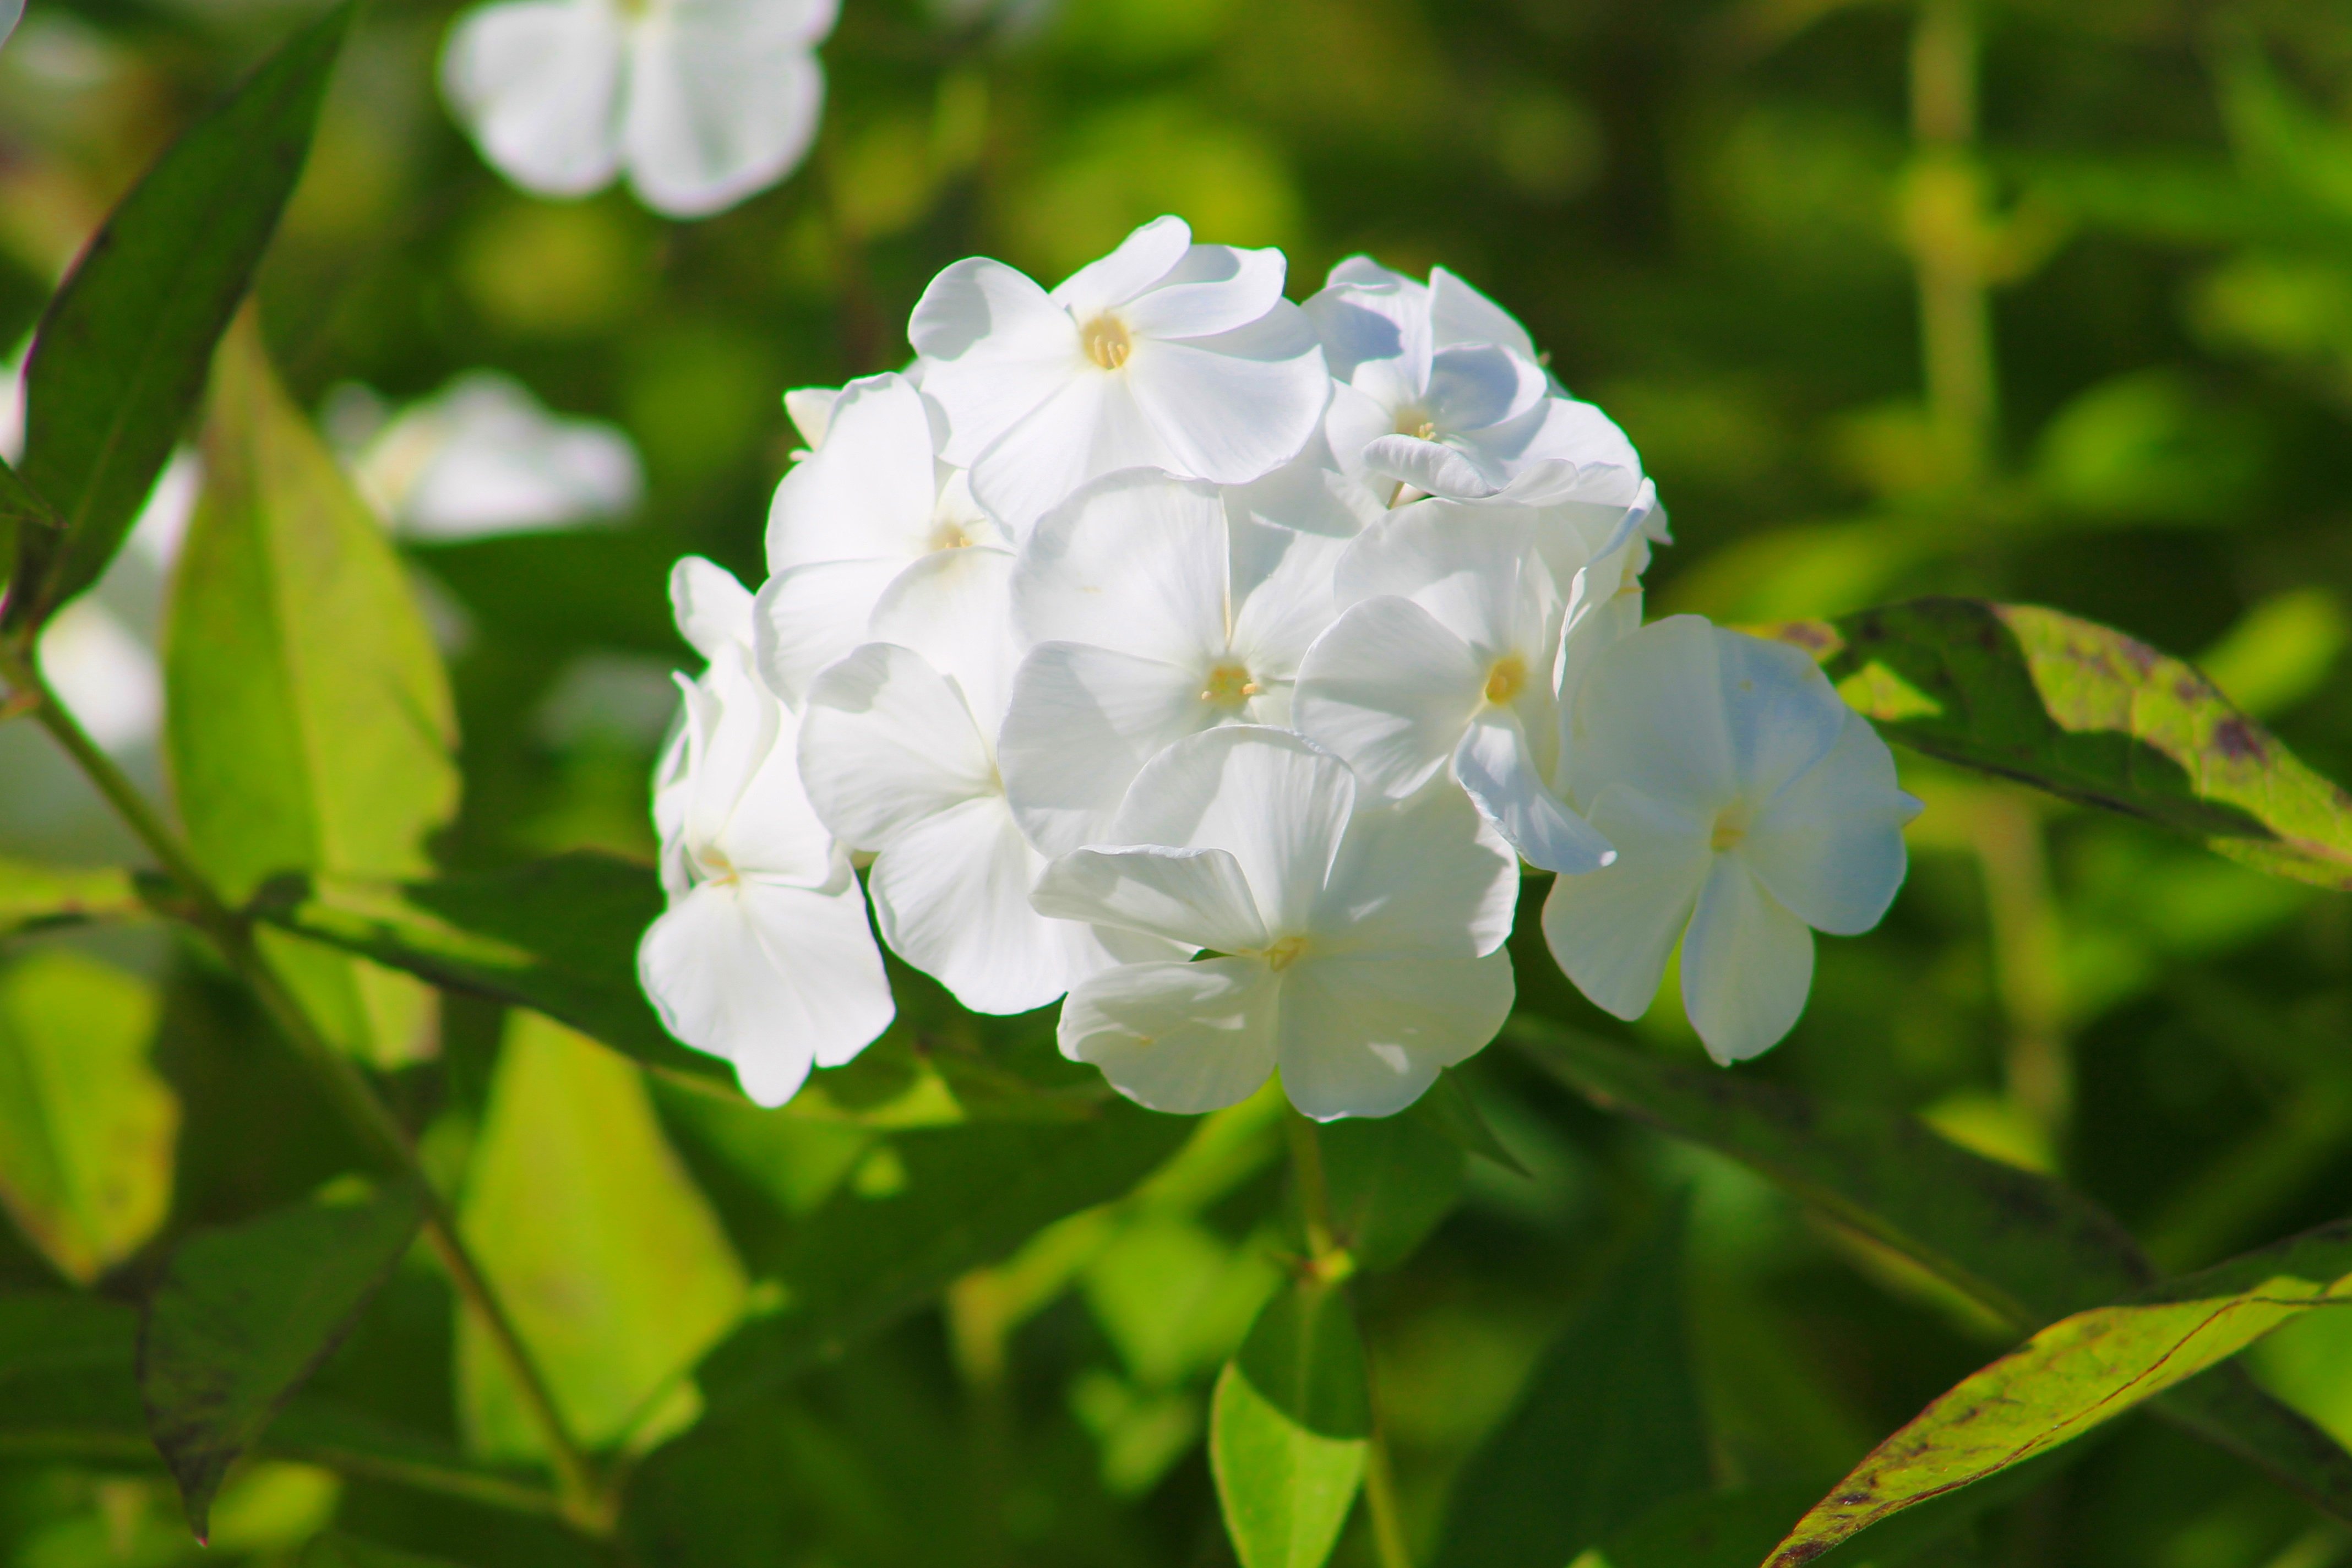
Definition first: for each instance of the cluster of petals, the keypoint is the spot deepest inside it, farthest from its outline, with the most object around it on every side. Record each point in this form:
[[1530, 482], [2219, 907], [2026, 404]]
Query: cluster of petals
[[1216, 666]]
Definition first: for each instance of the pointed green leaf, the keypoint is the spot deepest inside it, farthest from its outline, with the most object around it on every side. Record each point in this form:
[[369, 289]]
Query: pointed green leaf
[[309, 722], [2075, 1375], [245, 1315], [22, 511], [118, 362], [1390, 1181], [33, 897], [2086, 712], [1449, 1108], [1289, 1425], [608, 1257], [86, 1126], [2022, 1247], [1609, 1424]]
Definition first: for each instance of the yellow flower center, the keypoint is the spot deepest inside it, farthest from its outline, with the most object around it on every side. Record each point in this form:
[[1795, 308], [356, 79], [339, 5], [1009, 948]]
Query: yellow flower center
[[1228, 686], [1504, 676], [1107, 343], [716, 868], [1413, 421], [1285, 953], [950, 535], [1731, 825]]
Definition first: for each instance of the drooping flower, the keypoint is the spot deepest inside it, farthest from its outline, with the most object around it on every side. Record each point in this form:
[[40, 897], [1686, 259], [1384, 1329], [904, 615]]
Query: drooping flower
[[898, 753], [1156, 607], [1163, 354], [483, 457], [1449, 659], [763, 957], [702, 102], [1358, 946], [871, 501], [1750, 807]]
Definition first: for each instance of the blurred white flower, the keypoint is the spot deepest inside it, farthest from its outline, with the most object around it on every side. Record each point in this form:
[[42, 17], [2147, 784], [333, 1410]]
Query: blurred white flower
[[702, 102], [1163, 354], [1359, 947], [764, 956], [1156, 607], [107, 678], [1750, 807], [483, 457]]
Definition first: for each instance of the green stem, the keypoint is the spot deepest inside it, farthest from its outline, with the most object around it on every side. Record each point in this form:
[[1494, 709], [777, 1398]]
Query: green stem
[[586, 1503]]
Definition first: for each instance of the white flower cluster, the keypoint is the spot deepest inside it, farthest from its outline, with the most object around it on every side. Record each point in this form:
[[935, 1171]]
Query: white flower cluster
[[1217, 661]]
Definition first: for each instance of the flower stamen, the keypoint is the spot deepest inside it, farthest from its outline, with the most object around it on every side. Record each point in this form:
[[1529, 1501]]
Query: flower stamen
[[1504, 678], [1286, 953], [1107, 343], [1731, 826], [1228, 686]]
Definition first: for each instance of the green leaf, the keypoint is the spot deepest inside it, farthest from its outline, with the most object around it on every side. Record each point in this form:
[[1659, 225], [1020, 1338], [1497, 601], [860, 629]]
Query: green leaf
[[119, 361], [34, 897], [309, 722], [2018, 1246], [1449, 1108], [926, 1206], [1609, 1424], [336, 1550], [67, 1388], [22, 511], [2086, 712], [87, 1128], [1289, 1427], [245, 1315], [609, 1259], [2077, 1373], [1389, 1180]]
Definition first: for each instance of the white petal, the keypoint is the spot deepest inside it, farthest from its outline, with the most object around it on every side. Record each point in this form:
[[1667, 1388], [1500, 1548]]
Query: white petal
[[1468, 566], [1612, 931], [869, 489], [1384, 324], [1576, 436], [1284, 592], [1237, 406], [1368, 1037], [1081, 724], [1215, 289], [1782, 711], [1090, 427], [772, 831], [952, 896], [724, 97], [1434, 467], [736, 722], [768, 978], [994, 347], [1136, 561], [1472, 387], [538, 83], [886, 742], [1276, 803], [1198, 898], [807, 617], [1185, 1037], [955, 608], [485, 457], [1460, 314], [1747, 964], [811, 411], [1426, 878], [1143, 258], [1325, 489], [713, 610], [1830, 845], [1497, 767], [1649, 713], [1390, 691]]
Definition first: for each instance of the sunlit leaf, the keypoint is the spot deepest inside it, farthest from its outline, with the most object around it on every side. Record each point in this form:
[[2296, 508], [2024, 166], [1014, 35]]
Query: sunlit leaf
[[1608, 1425], [2022, 1247], [2088, 713], [608, 1257], [34, 895], [309, 722], [117, 363], [86, 1126], [2075, 1375], [1391, 1180], [1289, 1425], [245, 1315]]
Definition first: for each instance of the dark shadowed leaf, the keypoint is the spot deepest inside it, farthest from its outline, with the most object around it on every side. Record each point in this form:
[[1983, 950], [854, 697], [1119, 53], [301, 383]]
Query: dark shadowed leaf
[[67, 1384], [119, 361], [244, 1315], [1288, 1429], [1449, 1108], [2022, 1247], [309, 720], [22, 511], [1608, 1425], [1392, 1178], [34, 895], [2086, 712], [336, 1550], [2075, 1375]]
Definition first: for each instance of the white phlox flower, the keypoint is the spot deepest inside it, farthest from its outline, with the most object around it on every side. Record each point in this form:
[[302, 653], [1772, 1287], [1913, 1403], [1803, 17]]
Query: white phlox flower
[[702, 102], [1163, 354], [764, 956], [1441, 392], [483, 457], [1449, 658], [1750, 807], [1358, 946], [871, 501], [898, 752], [1156, 607]]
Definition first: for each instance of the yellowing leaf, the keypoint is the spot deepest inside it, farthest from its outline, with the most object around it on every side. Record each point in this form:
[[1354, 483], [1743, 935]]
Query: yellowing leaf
[[86, 1127], [607, 1255]]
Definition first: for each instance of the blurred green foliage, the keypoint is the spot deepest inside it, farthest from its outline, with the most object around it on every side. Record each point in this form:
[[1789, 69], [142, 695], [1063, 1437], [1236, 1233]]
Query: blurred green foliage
[[2044, 303]]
